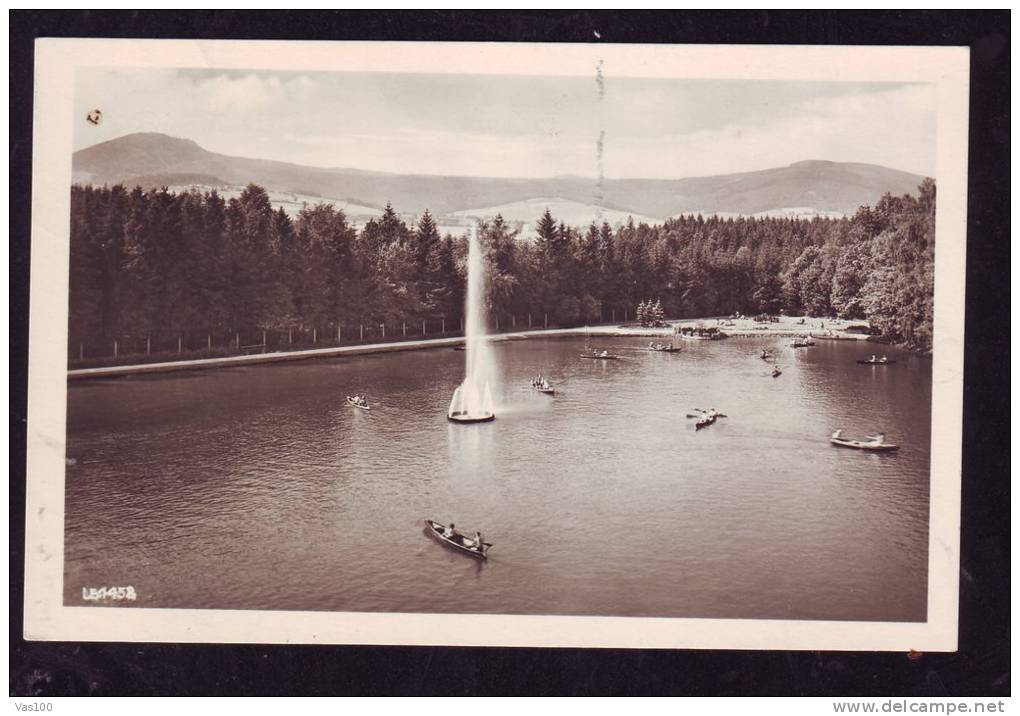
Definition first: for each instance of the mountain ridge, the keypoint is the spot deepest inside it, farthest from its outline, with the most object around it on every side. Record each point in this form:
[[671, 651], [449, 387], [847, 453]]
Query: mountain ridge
[[151, 159]]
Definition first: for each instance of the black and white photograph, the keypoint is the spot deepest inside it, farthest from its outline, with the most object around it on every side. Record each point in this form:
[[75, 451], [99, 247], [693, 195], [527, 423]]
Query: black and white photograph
[[630, 346]]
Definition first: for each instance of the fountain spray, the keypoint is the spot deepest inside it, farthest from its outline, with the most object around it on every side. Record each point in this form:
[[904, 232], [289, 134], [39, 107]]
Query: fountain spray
[[472, 400]]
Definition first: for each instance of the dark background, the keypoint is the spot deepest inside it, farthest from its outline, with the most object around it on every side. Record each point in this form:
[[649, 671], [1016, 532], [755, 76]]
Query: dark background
[[980, 667]]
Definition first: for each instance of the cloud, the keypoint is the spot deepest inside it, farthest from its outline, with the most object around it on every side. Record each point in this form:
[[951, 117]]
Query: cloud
[[894, 128], [245, 93], [460, 125], [897, 100], [426, 151]]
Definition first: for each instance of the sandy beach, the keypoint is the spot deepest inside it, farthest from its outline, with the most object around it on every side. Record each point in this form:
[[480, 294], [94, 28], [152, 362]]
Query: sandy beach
[[827, 328]]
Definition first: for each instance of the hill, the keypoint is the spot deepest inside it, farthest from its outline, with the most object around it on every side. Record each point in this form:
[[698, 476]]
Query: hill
[[820, 187]]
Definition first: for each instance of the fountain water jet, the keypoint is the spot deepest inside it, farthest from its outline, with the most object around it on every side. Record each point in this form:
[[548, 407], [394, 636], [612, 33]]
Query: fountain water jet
[[472, 400]]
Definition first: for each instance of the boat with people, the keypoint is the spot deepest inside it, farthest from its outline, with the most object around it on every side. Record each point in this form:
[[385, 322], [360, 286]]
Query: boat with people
[[663, 348], [805, 343], [765, 355], [598, 355], [873, 443], [448, 536], [595, 353], [876, 361], [542, 385], [358, 401], [776, 372], [704, 418]]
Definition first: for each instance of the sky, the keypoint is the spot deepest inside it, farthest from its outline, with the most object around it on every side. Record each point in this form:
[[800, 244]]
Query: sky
[[516, 126]]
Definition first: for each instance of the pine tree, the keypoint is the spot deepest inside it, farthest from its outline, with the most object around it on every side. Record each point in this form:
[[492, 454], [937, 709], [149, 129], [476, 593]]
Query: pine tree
[[85, 294], [657, 313], [425, 242]]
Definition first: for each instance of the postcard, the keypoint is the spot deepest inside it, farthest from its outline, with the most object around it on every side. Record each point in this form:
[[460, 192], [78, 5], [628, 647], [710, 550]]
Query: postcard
[[588, 345]]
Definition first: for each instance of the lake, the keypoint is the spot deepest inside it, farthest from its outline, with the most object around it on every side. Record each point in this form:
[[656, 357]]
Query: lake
[[259, 488]]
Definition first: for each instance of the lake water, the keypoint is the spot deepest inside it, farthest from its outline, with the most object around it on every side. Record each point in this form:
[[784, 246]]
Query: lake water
[[259, 488]]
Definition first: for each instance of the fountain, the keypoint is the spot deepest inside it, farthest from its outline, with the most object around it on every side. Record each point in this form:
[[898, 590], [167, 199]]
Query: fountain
[[472, 400]]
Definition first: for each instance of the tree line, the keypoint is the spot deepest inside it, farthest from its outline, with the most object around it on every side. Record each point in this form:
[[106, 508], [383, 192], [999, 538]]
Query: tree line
[[147, 261]]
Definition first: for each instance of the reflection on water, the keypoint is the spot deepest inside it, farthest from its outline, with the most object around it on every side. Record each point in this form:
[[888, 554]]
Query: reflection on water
[[259, 488]]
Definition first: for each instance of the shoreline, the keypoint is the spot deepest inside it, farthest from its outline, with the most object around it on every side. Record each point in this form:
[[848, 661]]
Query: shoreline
[[740, 328]]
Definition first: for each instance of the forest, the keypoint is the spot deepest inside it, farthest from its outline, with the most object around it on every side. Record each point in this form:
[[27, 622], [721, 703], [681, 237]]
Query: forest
[[164, 263]]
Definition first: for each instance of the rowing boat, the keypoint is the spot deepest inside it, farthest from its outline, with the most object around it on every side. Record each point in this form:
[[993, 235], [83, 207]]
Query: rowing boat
[[463, 416], [547, 391], [457, 542], [863, 445], [875, 443], [354, 404], [599, 356], [875, 362]]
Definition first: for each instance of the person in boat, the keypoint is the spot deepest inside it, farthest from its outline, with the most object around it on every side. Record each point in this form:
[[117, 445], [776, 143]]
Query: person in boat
[[873, 359], [449, 532], [478, 544], [877, 439], [837, 435], [884, 358], [604, 353]]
